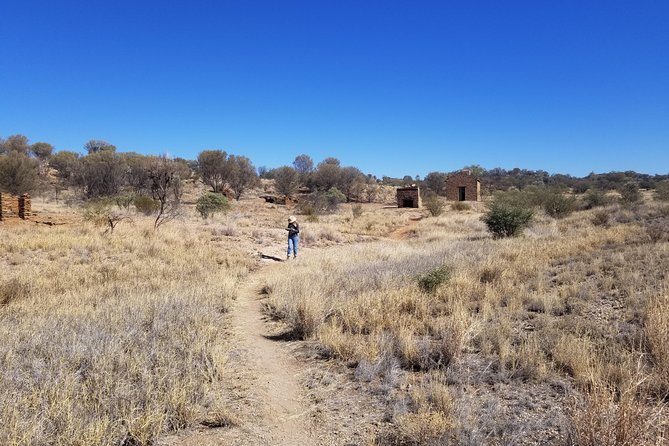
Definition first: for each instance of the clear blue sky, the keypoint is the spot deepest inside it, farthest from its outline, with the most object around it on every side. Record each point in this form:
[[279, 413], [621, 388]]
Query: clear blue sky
[[391, 87]]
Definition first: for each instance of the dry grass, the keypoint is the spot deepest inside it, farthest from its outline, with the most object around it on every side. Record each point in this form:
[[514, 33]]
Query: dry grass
[[571, 307], [110, 337]]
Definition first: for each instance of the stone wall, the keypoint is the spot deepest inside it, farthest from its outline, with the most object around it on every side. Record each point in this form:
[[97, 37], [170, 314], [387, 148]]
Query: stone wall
[[464, 179], [408, 197], [12, 206]]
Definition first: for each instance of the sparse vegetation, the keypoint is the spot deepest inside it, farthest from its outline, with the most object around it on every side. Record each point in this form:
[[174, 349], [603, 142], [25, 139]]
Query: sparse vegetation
[[434, 205]]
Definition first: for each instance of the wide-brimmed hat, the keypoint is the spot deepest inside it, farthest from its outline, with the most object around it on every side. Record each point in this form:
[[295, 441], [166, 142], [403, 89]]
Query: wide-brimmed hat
[[292, 219]]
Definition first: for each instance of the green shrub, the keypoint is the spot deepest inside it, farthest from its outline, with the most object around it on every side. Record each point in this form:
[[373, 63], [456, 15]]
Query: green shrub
[[507, 220], [429, 281], [210, 203], [556, 204], [434, 204], [460, 206], [630, 194], [662, 191], [595, 198], [146, 205]]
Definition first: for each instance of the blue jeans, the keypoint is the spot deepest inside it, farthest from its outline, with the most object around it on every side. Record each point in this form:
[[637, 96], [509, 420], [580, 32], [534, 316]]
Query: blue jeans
[[292, 243]]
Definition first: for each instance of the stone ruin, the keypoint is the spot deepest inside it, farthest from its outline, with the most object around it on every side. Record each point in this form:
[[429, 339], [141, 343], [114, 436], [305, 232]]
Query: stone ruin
[[408, 197], [463, 186], [14, 207]]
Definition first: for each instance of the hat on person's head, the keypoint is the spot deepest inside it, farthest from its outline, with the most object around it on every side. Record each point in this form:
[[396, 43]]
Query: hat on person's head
[[292, 219]]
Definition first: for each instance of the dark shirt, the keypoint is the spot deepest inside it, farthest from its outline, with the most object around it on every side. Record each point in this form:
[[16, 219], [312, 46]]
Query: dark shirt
[[293, 229]]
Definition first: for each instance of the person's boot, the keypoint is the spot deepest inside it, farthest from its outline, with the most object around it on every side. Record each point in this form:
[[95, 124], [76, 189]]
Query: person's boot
[[288, 257]]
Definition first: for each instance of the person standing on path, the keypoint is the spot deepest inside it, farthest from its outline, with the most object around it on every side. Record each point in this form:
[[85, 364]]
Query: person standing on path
[[293, 236]]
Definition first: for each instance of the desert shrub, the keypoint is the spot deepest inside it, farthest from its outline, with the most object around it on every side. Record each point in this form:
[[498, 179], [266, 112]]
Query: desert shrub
[[429, 281], [210, 203], [505, 219], [595, 198], [662, 191], [601, 218], [13, 290], [146, 205], [356, 210], [630, 194], [434, 204], [603, 418], [321, 202], [104, 212], [556, 204], [460, 206], [657, 231]]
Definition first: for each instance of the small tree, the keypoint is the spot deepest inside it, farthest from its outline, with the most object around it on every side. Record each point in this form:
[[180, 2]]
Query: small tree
[[19, 174], [286, 180], [630, 194], [214, 169], [210, 203], [103, 212], [243, 175], [166, 188]]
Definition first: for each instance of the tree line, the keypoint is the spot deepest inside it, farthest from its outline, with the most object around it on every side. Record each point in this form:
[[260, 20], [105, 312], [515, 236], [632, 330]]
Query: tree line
[[103, 172]]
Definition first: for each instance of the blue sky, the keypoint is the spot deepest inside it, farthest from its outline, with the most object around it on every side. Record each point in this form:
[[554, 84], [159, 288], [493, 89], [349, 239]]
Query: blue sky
[[393, 87]]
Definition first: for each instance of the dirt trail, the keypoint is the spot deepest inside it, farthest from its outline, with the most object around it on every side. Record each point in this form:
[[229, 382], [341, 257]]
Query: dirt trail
[[261, 384]]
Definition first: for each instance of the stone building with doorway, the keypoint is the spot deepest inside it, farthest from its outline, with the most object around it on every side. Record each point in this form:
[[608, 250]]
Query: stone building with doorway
[[463, 186], [408, 197]]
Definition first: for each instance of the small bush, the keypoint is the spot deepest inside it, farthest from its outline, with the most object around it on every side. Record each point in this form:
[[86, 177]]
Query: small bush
[[557, 205], [210, 203], [662, 191], [357, 211], [460, 206], [507, 220], [13, 290], [601, 218], [595, 198], [434, 204], [146, 205], [431, 280], [630, 194]]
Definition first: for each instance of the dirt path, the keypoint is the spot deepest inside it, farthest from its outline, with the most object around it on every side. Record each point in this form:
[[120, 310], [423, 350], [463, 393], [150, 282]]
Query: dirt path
[[261, 385]]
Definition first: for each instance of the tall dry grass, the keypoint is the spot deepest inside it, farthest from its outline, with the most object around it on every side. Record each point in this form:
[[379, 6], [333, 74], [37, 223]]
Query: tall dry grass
[[105, 339], [566, 309]]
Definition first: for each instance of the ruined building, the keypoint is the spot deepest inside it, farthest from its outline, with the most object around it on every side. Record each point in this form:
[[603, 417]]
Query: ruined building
[[408, 197], [463, 186], [12, 206]]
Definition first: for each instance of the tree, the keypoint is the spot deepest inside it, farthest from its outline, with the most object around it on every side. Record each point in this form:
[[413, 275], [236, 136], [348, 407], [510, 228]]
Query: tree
[[166, 187], [19, 174], [286, 180], [102, 173], [476, 170], [41, 150], [243, 174], [330, 160], [15, 143], [303, 164], [97, 145], [436, 181], [137, 173], [214, 169], [66, 163], [327, 175], [351, 182]]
